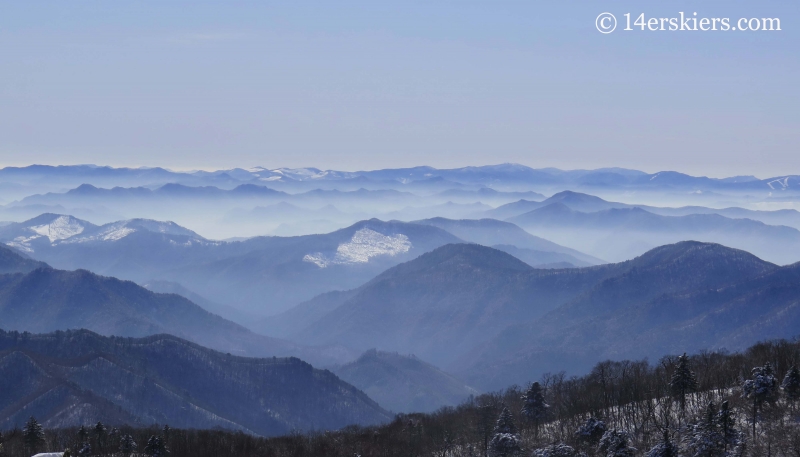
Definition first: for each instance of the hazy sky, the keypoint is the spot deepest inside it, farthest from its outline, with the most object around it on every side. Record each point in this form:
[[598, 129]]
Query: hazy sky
[[373, 84]]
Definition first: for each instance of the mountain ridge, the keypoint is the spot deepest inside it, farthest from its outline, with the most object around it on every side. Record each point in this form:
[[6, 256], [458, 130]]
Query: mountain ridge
[[75, 376]]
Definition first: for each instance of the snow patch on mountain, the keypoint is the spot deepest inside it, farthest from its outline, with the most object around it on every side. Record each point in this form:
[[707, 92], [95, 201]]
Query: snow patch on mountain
[[23, 243], [364, 245], [111, 232], [60, 228]]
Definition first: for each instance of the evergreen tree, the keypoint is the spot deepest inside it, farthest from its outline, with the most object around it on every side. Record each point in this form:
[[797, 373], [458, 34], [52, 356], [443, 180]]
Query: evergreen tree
[[664, 448], [534, 407], [127, 445], [616, 443], [731, 437], [101, 434], [704, 438], [83, 434], [506, 441], [762, 388], [791, 385], [155, 447], [33, 435], [592, 430], [683, 381]]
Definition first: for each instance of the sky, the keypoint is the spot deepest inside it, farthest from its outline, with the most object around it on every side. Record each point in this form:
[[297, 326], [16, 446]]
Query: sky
[[366, 85]]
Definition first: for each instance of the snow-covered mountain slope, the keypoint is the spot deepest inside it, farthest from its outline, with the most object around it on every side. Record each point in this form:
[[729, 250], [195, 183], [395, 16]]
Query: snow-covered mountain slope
[[364, 244], [55, 229]]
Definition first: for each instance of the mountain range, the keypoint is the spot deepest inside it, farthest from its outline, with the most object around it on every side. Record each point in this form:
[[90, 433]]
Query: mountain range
[[493, 321], [441, 304], [589, 203], [686, 297], [619, 233], [67, 379], [509, 175], [262, 275], [45, 300]]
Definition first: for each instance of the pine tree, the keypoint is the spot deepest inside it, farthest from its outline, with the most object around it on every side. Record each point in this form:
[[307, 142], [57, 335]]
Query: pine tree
[[616, 443], [704, 438], [731, 437], [683, 381], [33, 435], [664, 448], [506, 441], [127, 445], [83, 434], [101, 433], [791, 385], [534, 407], [155, 447], [762, 388]]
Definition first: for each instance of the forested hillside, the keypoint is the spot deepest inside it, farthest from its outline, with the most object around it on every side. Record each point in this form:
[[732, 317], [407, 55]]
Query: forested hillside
[[708, 404], [71, 378]]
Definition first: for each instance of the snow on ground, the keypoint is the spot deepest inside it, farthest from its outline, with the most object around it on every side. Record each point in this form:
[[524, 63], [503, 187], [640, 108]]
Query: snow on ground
[[364, 245]]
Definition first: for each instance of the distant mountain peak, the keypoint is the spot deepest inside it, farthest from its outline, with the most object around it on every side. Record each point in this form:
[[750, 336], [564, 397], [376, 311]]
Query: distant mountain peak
[[462, 255], [693, 251], [569, 195]]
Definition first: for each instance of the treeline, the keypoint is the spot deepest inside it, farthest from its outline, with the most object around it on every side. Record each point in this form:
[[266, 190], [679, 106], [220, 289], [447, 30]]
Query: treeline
[[710, 404]]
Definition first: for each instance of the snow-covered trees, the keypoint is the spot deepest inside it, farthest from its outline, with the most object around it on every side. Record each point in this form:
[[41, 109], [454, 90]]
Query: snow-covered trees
[[101, 436], [534, 408], [762, 388], [664, 448], [155, 447], [592, 430], [683, 381], [703, 438], [791, 385], [616, 443], [127, 445], [85, 449], [506, 441], [557, 450], [33, 435], [714, 434]]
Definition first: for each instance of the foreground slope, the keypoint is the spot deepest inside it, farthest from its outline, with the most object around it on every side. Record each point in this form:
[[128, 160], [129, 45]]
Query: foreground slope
[[46, 300], [71, 378], [404, 384]]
